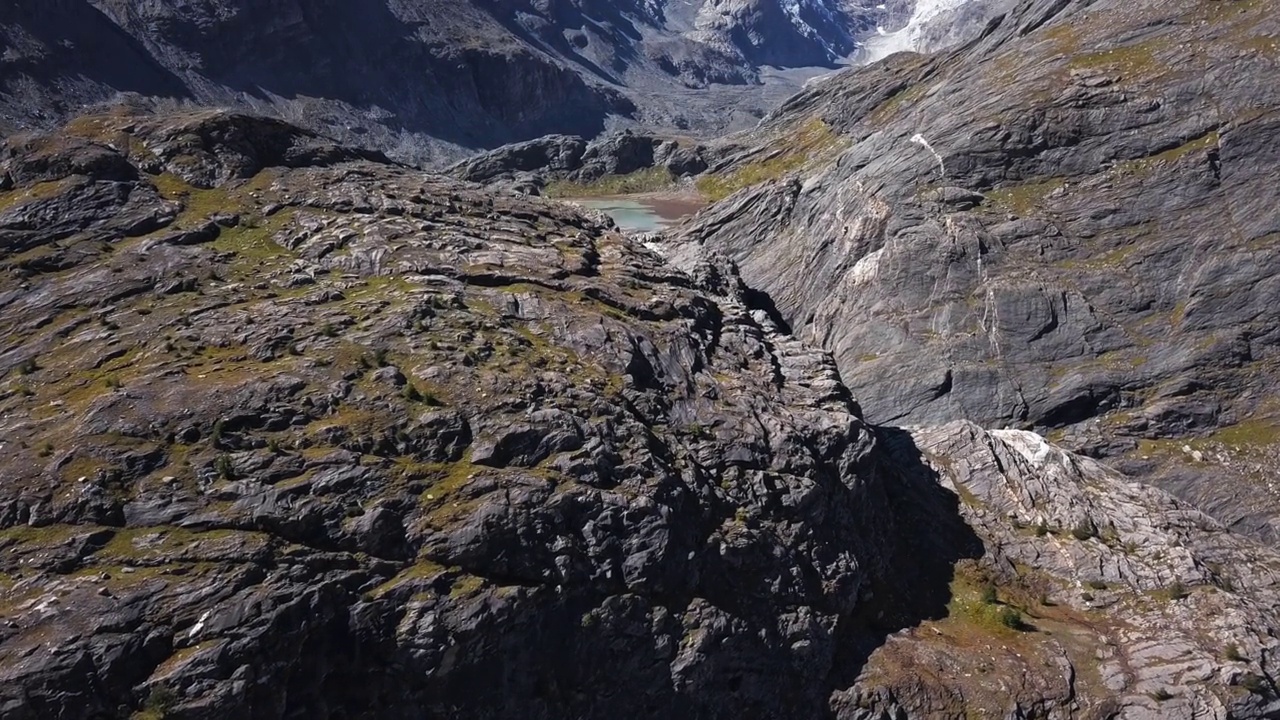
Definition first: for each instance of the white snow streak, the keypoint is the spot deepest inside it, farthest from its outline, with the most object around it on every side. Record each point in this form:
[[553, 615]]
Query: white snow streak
[[919, 140], [908, 38]]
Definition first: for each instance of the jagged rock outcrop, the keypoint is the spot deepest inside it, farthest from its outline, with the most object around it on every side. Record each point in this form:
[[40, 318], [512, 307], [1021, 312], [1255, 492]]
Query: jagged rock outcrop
[[1129, 589], [293, 431], [571, 158], [1066, 225]]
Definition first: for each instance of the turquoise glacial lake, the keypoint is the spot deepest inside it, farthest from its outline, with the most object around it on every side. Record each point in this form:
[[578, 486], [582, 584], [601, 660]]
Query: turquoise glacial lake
[[641, 214]]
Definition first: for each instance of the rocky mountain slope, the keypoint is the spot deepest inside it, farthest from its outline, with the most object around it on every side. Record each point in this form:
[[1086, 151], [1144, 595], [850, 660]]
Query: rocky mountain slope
[[429, 79], [293, 431], [1068, 225]]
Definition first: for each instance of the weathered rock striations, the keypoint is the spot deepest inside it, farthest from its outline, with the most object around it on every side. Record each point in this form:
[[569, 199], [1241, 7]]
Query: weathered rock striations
[[289, 430], [1066, 225]]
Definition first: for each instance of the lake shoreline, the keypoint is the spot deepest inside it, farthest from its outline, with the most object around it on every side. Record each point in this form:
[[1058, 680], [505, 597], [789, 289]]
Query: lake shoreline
[[644, 212]]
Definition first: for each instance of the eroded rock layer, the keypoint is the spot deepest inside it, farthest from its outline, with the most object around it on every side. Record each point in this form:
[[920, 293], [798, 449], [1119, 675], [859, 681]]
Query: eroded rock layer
[[1067, 225]]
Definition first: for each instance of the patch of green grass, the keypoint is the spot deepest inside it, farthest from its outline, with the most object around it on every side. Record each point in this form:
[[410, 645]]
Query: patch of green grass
[[224, 467], [1116, 257], [160, 701], [1266, 242], [198, 203], [253, 242], [1267, 46], [31, 193], [1250, 433], [813, 143], [251, 237], [1253, 683], [641, 181], [444, 479], [987, 593], [92, 127], [161, 544], [1142, 166], [466, 586], [420, 570], [1130, 60], [44, 536], [967, 497], [890, 108], [1022, 200], [1222, 11], [1111, 252], [975, 602], [1064, 36]]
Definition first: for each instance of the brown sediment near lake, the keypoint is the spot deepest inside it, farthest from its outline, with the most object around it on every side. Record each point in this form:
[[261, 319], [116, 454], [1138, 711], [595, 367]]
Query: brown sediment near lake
[[671, 205], [665, 207]]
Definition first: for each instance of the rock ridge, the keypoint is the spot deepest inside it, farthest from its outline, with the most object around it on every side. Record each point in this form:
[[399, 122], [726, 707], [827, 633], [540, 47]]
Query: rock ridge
[[1064, 225]]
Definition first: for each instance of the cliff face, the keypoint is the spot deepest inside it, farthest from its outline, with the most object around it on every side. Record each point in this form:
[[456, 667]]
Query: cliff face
[[1066, 225], [290, 431]]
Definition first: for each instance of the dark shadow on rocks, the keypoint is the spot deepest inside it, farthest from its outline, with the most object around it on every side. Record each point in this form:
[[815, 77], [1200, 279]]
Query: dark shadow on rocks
[[364, 55], [925, 537], [78, 40], [473, 96], [615, 25], [760, 300], [589, 651]]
